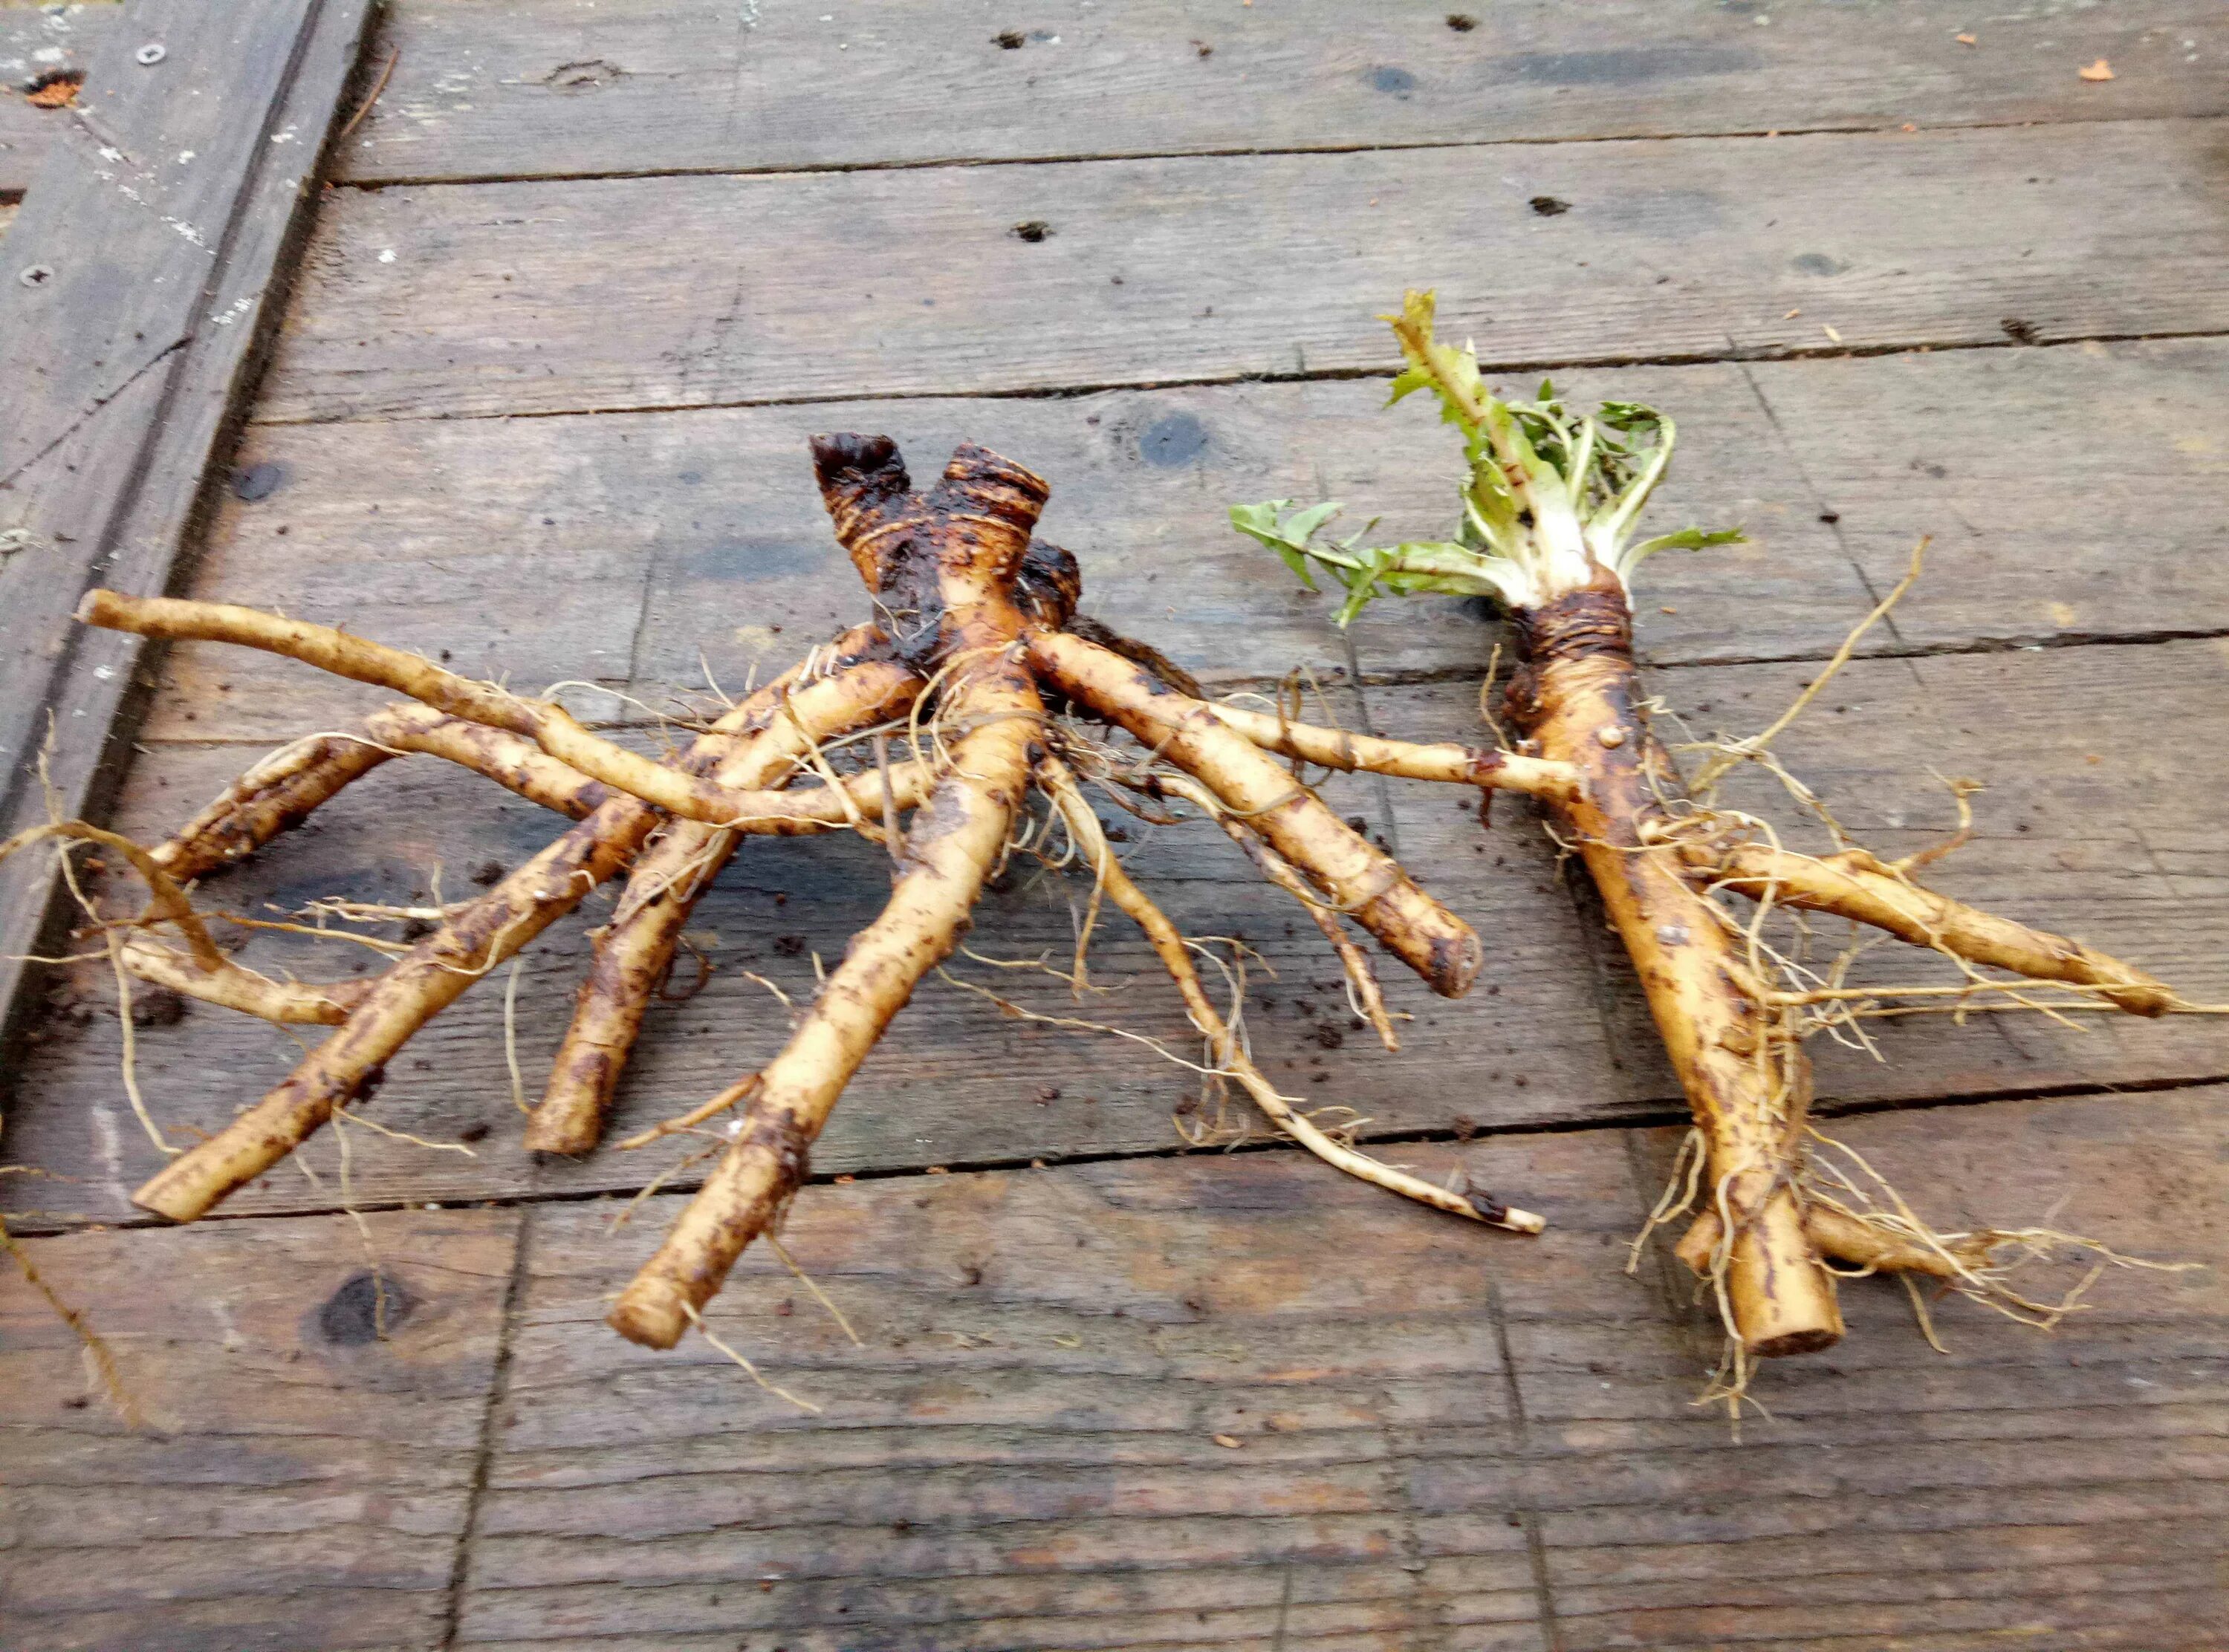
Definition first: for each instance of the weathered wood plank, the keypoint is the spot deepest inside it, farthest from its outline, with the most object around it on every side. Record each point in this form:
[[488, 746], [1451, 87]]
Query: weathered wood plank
[[1023, 1452], [299, 1481], [2109, 852], [35, 42], [2072, 1484], [540, 87], [543, 297], [620, 548], [148, 261]]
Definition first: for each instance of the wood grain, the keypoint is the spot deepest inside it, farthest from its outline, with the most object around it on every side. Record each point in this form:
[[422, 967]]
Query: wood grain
[[298, 1481], [1025, 1452], [542, 87], [2112, 850], [36, 41], [595, 295], [150, 262]]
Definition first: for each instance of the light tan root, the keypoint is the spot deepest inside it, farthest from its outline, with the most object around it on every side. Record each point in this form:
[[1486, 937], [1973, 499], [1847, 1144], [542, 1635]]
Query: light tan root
[[1747, 1087], [203, 972], [282, 790], [1224, 1049], [978, 519], [1362, 880], [1839, 1238], [300, 1003], [1854, 884], [1470, 766], [636, 948], [469, 945], [1369, 999], [548, 726]]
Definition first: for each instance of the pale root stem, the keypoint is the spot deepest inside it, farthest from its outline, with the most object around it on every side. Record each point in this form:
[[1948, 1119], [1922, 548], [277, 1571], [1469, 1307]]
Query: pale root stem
[[1225, 1048], [1856, 886], [1838, 1236], [1361, 979], [1746, 1088], [1332, 748], [636, 949], [742, 1089], [441, 967], [550, 726], [1362, 880], [167, 900], [954, 840], [297, 1003], [206, 973]]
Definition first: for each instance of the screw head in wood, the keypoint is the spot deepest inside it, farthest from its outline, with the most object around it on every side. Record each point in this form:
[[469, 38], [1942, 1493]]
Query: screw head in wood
[[150, 54], [36, 275]]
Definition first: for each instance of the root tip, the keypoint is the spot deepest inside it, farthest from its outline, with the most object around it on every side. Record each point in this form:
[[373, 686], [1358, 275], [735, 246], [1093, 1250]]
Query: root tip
[[1795, 1342], [650, 1312], [563, 1137], [171, 1204]]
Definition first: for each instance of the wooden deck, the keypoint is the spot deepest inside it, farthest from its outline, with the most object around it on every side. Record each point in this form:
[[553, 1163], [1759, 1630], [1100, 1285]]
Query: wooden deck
[[587, 277]]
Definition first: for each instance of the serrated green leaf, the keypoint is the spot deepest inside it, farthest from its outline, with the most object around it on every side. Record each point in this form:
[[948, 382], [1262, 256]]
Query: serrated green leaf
[[1300, 527]]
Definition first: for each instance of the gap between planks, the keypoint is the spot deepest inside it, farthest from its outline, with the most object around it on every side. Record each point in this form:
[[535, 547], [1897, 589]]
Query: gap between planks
[[1671, 1113], [1231, 152], [1077, 390]]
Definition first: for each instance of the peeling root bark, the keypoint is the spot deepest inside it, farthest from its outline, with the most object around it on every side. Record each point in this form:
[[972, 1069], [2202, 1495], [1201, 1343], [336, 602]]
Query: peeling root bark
[[1362, 880]]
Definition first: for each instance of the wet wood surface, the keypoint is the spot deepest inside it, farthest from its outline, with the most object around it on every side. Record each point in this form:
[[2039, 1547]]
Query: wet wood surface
[[560, 435]]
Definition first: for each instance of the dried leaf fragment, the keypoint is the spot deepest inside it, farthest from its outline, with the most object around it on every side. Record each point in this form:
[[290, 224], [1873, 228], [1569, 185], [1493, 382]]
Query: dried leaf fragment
[[2101, 70], [1229, 1441]]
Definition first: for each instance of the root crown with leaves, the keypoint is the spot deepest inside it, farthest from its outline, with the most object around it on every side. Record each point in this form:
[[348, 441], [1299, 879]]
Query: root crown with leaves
[[1548, 507], [976, 662]]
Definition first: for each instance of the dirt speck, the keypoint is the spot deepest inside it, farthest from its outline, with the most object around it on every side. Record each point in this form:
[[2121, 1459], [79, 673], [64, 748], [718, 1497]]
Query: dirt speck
[[56, 89]]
